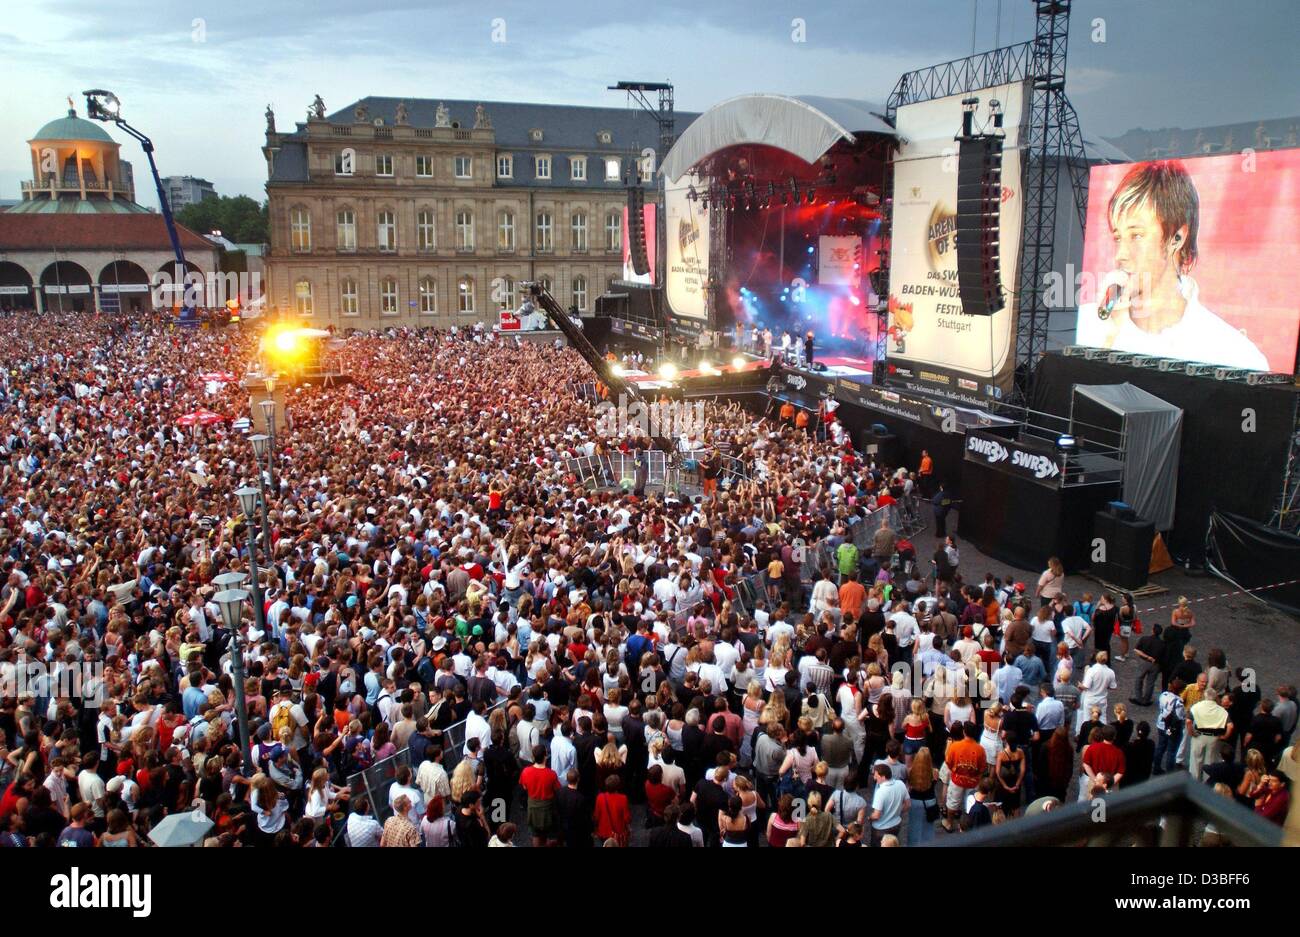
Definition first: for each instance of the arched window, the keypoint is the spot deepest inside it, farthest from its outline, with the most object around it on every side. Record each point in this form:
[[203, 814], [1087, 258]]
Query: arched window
[[545, 231], [388, 296], [348, 297], [465, 295], [464, 230], [506, 293], [428, 296], [300, 230], [506, 231], [546, 283], [580, 293], [302, 298], [578, 224], [346, 224], [387, 231], [614, 231], [425, 239]]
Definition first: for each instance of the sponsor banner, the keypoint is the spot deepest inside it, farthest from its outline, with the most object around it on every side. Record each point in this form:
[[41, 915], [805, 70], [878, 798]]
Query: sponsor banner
[[111, 288], [929, 333], [635, 330], [509, 322], [687, 253], [943, 381], [808, 384], [839, 260], [1036, 461], [14, 290], [943, 418]]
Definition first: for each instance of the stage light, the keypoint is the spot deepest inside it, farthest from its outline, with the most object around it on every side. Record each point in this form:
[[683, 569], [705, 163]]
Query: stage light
[[667, 370], [616, 370], [854, 299], [1067, 443], [738, 361], [812, 196], [810, 248]]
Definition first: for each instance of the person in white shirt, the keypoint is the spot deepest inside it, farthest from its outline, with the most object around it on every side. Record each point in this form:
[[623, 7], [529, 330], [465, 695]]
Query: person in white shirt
[[1149, 305], [1098, 681], [1077, 632]]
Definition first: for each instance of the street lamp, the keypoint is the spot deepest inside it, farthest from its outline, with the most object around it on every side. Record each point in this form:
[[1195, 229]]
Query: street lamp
[[231, 602], [248, 504], [268, 414], [260, 451]]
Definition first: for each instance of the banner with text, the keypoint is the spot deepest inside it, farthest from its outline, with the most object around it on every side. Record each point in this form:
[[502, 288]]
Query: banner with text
[[1030, 459], [687, 237]]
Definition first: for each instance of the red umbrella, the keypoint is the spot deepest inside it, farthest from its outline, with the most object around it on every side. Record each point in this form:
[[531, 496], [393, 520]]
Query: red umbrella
[[200, 418]]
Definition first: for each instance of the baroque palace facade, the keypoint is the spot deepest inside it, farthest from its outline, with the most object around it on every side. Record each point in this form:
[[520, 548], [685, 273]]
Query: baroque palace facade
[[422, 212]]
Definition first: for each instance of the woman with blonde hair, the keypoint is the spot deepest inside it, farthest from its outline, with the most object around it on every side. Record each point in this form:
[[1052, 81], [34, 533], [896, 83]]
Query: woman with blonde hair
[[774, 711], [1252, 781], [463, 780], [877, 643], [991, 737], [751, 710]]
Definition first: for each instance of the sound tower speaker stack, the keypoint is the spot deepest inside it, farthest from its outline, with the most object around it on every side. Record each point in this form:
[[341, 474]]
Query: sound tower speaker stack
[[1127, 543], [979, 199], [636, 230]]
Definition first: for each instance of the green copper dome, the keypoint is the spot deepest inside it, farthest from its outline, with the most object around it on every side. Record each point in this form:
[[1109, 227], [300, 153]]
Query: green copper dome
[[73, 127]]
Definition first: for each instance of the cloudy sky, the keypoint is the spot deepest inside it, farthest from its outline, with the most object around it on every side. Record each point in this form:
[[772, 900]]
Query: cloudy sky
[[197, 74]]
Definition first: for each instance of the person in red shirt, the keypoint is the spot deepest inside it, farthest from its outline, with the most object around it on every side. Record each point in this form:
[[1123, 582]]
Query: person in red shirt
[[658, 796], [1104, 757], [541, 783], [1275, 800], [612, 816]]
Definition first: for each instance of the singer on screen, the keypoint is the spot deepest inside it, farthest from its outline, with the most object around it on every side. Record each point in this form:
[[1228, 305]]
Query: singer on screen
[[1149, 304]]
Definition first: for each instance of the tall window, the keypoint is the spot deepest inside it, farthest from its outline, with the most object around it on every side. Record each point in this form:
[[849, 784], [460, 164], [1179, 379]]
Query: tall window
[[543, 167], [387, 231], [299, 230], [464, 230], [465, 295], [348, 297], [578, 168], [505, 166], [424, 166], [464, 167], [346, 223], [614, 231], [580, 293], [506, 230], [424, 235], [578, 224], [302, 297], [345, 162], [507, 293], [388, 296], [546, 283], [383, 165], [613, 169], [545, 232], [428, 296], [646, 166]]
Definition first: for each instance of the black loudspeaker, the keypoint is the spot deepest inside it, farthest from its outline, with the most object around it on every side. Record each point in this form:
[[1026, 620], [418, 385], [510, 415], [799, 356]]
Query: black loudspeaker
[[636, 230], [979, 198], [1127, 549]]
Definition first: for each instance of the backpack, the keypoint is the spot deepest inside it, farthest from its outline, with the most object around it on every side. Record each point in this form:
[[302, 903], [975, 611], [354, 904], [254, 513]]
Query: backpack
[[282, 719]]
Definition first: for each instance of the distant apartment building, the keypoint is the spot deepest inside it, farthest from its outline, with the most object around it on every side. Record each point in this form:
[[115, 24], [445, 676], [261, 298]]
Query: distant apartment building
[[187, 190]]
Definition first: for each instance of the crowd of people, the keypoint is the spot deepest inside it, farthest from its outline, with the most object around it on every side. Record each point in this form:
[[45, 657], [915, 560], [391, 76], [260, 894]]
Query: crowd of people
[[536, 660]]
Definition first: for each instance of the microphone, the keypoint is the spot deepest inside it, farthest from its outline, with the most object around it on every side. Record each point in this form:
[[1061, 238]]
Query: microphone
[[1113, 293]]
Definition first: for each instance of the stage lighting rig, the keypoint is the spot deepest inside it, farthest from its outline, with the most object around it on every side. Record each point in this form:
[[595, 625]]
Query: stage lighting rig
[[995, 108], [968, 106], [1256, 378], [1120, 357]]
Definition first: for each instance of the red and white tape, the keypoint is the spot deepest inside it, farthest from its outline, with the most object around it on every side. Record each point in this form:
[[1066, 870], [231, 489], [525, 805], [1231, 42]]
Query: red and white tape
[[1223, 595]]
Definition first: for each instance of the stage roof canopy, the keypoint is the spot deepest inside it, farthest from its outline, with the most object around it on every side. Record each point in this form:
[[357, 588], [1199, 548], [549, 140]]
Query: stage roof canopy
[[806, 126]]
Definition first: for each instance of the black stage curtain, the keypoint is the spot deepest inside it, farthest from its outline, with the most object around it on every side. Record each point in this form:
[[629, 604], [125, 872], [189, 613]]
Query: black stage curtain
[[1221, 465], [946, 449], [1251, 556]]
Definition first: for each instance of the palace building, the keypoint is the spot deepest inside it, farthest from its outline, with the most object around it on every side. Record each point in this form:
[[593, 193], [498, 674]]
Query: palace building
[[427, 212], [78, 241]]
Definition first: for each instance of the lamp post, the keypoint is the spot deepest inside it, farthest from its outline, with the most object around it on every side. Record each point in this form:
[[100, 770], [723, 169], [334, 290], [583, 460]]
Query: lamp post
[[268, 413], [260, 449], [248, 504], [231, 602]]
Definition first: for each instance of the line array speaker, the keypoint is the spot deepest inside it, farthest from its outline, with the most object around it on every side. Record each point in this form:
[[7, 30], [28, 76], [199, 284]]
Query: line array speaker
[[979, 200], [636, 230]]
